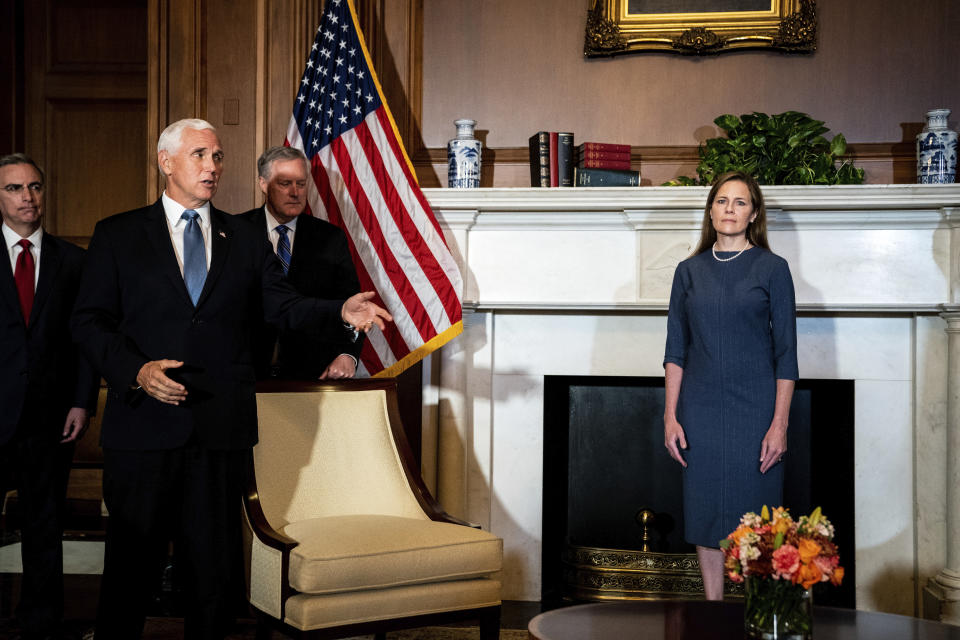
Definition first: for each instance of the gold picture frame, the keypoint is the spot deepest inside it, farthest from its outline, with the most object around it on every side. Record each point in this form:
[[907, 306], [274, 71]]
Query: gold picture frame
[[623, 26]]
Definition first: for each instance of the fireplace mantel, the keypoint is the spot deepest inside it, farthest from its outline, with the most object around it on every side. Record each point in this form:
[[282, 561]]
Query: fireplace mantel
[[573, 281], [616, 248]]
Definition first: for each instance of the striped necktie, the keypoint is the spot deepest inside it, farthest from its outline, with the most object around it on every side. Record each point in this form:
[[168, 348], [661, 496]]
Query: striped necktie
[[194, 255], [283, 247]]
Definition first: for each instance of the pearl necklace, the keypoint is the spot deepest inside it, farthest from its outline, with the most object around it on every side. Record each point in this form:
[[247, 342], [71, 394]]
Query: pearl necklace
[[713, 250]]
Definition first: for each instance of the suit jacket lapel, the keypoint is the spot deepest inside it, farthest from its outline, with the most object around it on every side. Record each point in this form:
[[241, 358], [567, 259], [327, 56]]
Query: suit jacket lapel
[[50, 259], [220, 237], [158, 236], [8, 286], [301, 244]]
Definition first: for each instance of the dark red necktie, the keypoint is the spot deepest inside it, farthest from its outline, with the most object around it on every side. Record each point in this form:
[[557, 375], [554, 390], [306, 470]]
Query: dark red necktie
[[23, 274]]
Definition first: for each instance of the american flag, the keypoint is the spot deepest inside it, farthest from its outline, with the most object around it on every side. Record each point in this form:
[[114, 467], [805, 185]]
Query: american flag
[[364, 183]]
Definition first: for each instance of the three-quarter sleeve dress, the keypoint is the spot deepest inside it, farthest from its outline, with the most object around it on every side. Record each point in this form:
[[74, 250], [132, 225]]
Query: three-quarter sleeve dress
[[732, 329]]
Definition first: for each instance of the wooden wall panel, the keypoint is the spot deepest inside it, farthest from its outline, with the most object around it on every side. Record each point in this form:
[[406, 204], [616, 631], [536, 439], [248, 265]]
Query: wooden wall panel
[[87, 180], [96, 35], [231, 63], [11, 76], [175, 78], [84, 107], [289, 31]]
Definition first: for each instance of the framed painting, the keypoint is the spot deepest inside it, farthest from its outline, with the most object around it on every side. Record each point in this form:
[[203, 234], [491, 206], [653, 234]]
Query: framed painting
[[699, 26]]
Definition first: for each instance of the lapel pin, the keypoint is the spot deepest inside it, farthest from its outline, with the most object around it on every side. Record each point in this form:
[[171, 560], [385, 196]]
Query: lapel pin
[[222, 234]]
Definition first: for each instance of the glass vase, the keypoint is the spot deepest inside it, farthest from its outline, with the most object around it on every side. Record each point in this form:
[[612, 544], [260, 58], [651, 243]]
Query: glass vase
[[777, 610]]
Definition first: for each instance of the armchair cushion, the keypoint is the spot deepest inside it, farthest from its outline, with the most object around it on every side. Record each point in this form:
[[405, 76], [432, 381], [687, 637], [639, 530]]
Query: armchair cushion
[[319, 611], [356, 552]]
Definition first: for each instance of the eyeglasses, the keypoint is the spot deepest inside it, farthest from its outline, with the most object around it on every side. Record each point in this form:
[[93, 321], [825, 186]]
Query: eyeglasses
[[14, 189]]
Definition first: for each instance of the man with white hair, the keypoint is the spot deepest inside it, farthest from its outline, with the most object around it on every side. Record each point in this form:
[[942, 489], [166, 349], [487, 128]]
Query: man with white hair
[[165, 310]]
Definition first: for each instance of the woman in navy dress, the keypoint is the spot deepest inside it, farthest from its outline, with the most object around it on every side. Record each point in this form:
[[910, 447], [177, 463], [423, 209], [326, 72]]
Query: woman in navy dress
[[730, 367]]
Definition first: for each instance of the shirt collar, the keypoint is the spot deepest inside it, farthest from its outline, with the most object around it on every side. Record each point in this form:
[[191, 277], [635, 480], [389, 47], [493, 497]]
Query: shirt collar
[[272, 223], [11, 237], [174, 210]]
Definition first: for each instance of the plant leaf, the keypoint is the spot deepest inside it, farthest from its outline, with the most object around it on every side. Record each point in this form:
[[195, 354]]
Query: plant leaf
[[784, 148], [727, 122], [838, 146]]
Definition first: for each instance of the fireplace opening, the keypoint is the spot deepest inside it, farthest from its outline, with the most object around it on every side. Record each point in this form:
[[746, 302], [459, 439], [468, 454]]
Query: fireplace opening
[[612, 501]]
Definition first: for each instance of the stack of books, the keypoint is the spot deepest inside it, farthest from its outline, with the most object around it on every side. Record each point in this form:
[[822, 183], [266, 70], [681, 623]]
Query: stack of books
[[551, 159], [603, 164]]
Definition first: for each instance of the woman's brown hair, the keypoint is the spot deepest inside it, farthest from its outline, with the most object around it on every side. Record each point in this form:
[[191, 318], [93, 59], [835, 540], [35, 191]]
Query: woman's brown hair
[[756, 230]]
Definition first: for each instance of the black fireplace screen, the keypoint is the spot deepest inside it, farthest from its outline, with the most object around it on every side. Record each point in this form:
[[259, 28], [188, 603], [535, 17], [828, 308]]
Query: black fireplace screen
[[609, 483]]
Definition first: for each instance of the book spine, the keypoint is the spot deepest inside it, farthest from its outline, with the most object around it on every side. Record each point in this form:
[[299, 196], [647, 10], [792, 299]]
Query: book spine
[[554, 161], [606, 178], [540, 159], [604, 164], [565, 158], [604, 155], [605, 146]]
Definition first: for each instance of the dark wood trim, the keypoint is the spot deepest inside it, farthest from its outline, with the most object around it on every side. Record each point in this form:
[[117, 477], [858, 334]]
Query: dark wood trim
[[267, 535], [411, 130], [901, 155], [411, 469], [670, 154], [156, 89]]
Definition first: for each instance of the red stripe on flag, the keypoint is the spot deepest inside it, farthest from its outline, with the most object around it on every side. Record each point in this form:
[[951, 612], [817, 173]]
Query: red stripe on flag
[[400, 155], [393, 269], [434, 273], [370, 359]]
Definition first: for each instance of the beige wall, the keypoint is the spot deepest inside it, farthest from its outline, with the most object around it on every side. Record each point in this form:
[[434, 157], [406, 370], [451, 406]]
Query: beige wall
[[518, 67]]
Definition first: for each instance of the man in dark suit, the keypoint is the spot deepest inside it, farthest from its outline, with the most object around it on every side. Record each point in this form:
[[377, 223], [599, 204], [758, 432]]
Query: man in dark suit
[[47, 390], [315, 256], [167, 302]]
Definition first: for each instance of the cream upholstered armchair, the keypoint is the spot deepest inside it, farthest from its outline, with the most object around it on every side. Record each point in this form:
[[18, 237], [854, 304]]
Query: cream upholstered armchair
[[342, 537]]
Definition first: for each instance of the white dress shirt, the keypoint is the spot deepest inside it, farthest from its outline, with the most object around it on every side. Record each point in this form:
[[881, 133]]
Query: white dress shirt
[[175, 225], [272, 232], [11, 238]]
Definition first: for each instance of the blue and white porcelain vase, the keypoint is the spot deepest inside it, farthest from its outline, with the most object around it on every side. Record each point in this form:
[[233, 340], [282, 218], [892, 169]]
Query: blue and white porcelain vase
[[937, 150], [463, 157]]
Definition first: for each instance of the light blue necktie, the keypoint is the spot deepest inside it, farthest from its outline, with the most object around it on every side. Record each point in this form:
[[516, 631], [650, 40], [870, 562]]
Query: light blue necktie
[[283, 247], [194, 255]]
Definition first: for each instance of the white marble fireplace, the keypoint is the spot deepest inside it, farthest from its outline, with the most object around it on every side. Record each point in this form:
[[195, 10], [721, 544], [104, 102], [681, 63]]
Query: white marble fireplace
[[576, 282]]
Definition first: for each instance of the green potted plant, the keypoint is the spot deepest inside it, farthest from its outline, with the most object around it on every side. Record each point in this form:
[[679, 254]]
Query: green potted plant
[[785, 148]]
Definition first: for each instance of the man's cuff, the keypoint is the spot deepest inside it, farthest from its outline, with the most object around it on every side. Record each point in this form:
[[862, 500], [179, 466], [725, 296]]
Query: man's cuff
[[354, 332]]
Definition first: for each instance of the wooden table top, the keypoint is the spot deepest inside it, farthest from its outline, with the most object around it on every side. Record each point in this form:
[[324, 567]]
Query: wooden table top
[[698, 619]]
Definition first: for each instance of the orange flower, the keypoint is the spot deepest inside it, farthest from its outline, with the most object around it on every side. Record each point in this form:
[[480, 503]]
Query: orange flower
[[808, 575], [781, 521], [740, 531], [837, 576], [808, 550]]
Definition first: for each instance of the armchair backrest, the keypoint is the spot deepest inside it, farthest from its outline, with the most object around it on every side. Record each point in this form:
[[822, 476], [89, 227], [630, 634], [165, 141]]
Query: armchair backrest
[[327, 450]]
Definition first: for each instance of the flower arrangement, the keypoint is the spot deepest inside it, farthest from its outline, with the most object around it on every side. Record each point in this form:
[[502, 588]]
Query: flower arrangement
[[778, 547], [781, 559]]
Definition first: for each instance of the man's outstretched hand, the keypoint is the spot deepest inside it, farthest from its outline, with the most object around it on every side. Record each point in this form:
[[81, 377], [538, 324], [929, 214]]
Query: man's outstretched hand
[[362, 314]]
